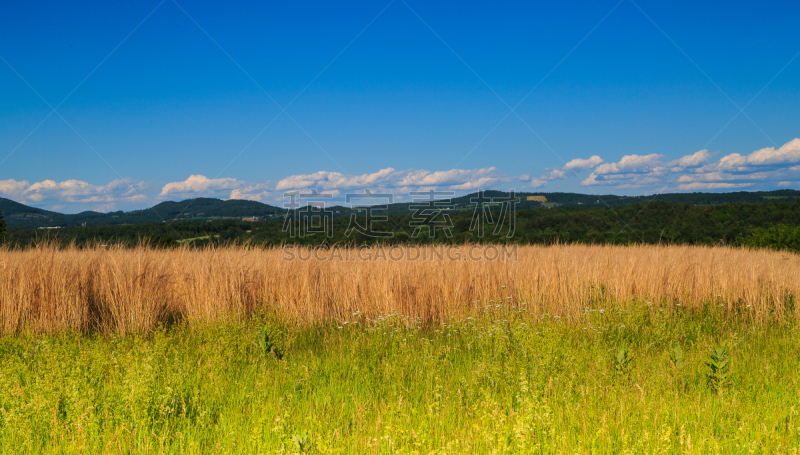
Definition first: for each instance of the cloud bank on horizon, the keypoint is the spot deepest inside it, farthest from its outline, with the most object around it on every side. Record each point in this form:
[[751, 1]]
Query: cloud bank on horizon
[[765, 168]]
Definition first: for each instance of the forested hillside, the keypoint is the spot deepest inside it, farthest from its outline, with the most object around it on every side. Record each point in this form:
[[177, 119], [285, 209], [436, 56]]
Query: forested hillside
[[759, 224], [200, 209], [204, 209]]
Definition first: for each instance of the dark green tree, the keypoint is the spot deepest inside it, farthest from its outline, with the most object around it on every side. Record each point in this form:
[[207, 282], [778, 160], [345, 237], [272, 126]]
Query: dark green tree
[[2, 228], [161, 241]]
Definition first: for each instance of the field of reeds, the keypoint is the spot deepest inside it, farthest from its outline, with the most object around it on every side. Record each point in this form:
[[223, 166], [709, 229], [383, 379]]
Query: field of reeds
[[47, 289], [562, 349]]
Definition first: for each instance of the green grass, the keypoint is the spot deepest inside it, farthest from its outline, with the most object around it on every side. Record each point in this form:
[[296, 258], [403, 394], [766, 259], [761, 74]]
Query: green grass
[[500, 383], [203, 237]]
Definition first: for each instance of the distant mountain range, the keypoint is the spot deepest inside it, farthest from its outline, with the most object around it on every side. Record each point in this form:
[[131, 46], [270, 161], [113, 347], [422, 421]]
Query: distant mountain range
[[203, 209]]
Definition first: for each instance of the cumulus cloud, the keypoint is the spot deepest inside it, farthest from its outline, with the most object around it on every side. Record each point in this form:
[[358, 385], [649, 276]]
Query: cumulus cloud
[[632, 171], [765, 158], [693, 160], [765, 166], [390, 179], [336, 184], [335, 180], [572, 167], [695, 186], [52, 193], [768, 167], [224, 188], [631, 164], [569, 169], [12, 189], [198, 185]]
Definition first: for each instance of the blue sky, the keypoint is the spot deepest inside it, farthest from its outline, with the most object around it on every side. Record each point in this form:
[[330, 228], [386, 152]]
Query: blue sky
[[166, 101]]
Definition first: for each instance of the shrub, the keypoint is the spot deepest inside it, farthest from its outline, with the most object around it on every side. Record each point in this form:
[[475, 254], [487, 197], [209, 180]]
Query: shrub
[[161, 241], [272, 340], [777, 237], [718, 368], [676, 356], [622, 361]]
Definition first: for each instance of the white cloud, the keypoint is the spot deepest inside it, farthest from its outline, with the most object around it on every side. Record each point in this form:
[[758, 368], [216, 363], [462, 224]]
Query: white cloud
[[483, 182], [788, 154], [386, 180], [197, 186], [12, 189], [710, 186], [224, 188], [334, 180], [538, 183], [390, 179], [580, 164], [631, 164], [693, 160], [572, 167], [767, 167], [250, 194], [98, 197]]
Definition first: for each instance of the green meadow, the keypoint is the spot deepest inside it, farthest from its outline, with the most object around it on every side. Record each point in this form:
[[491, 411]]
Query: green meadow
[[650, 380]]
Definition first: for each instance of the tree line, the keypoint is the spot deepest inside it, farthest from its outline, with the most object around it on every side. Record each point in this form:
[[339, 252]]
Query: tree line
[[766, 224]]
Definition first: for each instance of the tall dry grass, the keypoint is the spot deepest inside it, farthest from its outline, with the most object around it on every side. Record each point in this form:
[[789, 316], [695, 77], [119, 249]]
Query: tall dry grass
[[47, 289]]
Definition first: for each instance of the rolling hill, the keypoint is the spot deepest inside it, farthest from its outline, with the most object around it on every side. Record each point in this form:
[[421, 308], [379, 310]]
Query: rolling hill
[[20, 216], [201, 209]]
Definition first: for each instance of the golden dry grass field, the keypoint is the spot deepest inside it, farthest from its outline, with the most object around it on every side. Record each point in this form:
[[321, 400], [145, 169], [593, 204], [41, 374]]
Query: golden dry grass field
[[47, 289]]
